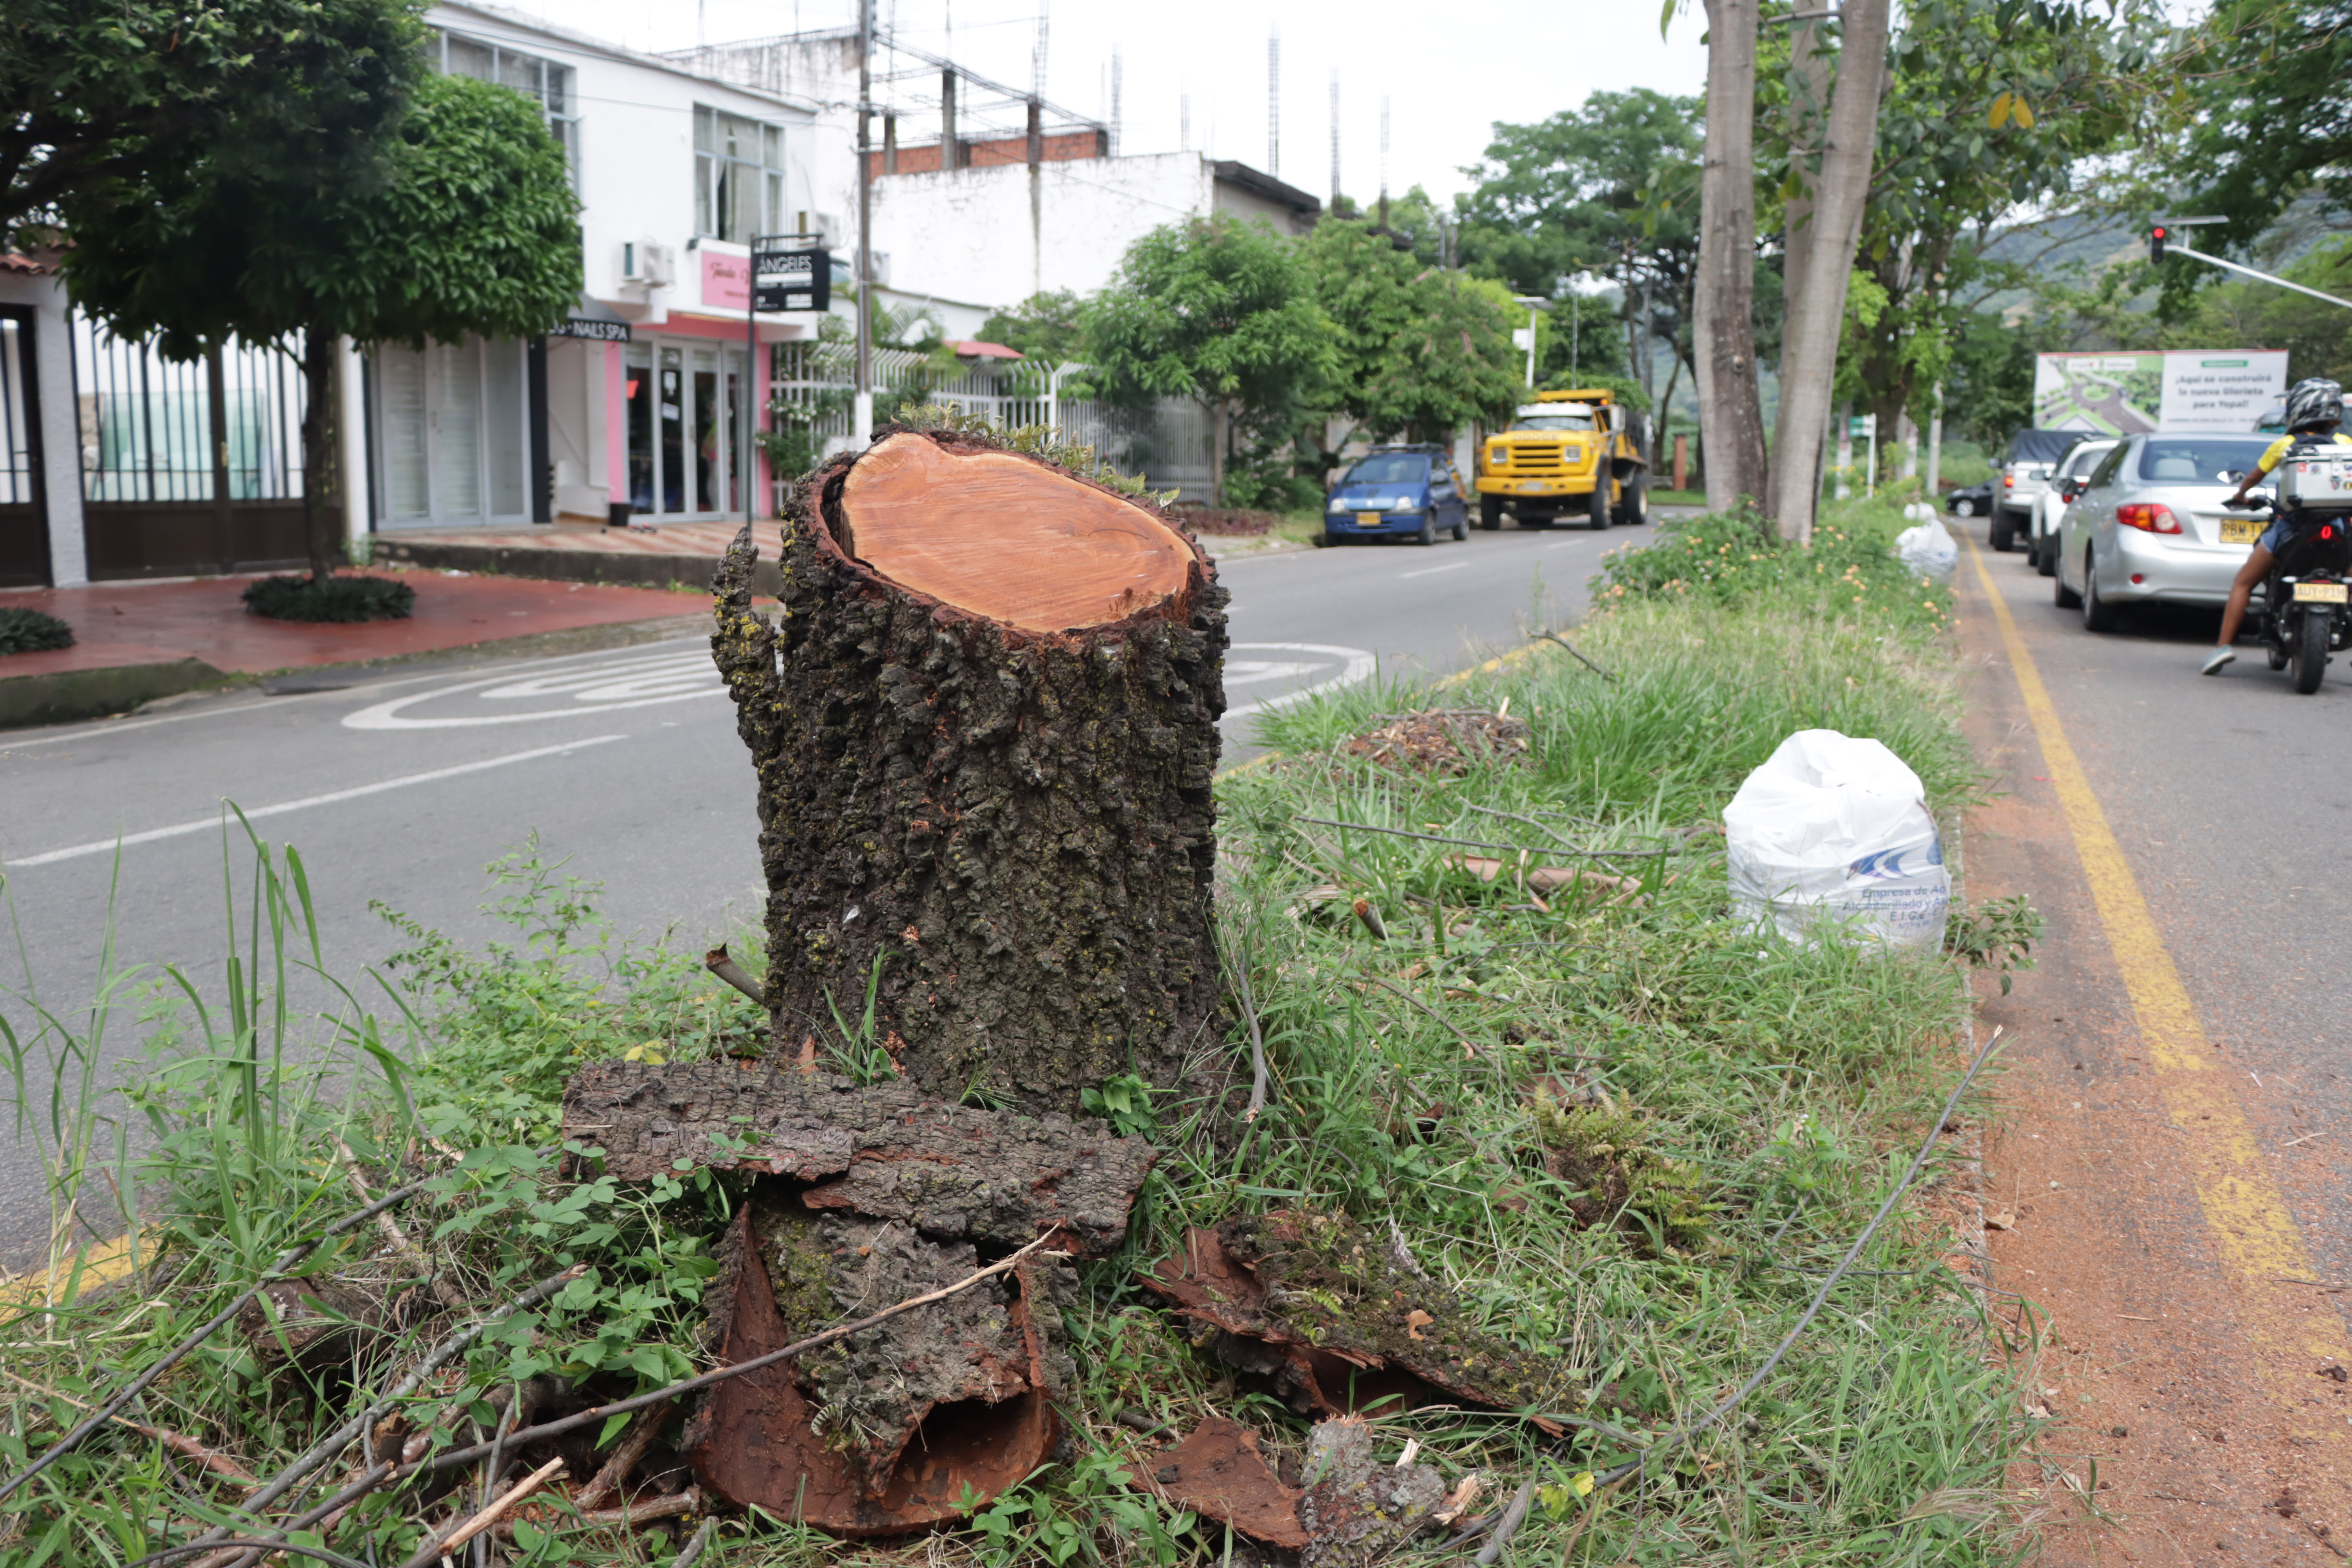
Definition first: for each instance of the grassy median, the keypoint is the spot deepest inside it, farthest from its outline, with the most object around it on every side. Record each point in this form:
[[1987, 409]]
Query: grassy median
[[1628, 1139]]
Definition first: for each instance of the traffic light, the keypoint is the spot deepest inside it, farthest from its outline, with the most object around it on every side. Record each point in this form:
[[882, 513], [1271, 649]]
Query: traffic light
[[2156, 244]]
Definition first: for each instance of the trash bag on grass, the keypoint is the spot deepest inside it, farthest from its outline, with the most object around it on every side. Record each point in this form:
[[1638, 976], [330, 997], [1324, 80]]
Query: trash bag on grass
[[1832, 828], [1926, 550]]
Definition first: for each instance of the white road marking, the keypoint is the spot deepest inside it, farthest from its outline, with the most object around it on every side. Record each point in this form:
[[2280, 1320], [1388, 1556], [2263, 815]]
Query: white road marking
[[1250, 672], [1360, 667], [1433, 571], [103, 845], [633, 682]]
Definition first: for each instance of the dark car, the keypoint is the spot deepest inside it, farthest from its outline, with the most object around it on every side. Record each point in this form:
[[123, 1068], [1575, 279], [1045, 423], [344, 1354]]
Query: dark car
[[1398, 492], [1970, 501]]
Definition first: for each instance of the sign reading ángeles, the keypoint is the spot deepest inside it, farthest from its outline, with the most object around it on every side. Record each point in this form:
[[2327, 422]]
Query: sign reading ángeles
[[792, 279]]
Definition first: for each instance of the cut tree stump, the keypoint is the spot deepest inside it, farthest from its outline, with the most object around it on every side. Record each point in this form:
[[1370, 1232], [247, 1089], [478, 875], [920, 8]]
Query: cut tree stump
[[984, 727]]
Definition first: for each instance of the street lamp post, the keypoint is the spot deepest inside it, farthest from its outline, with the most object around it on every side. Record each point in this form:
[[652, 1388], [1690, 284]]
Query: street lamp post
[[1534, 302], [862, 405]]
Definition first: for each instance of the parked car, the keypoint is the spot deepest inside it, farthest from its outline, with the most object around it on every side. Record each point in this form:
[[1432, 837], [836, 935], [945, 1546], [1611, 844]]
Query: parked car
[[1970, 501], [2149, 525], [2024, 473], [1399, 492], [2073, 474]]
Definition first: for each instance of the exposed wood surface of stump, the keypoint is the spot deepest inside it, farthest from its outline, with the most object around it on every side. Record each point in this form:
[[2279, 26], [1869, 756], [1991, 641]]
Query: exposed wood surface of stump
[[985, 728]]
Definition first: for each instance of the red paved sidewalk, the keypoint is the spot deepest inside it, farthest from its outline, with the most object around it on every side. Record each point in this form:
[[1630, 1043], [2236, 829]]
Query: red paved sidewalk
[[123, 623]]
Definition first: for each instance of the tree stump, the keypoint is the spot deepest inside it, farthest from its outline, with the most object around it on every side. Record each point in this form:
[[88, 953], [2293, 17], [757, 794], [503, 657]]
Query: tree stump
[[985, 728]]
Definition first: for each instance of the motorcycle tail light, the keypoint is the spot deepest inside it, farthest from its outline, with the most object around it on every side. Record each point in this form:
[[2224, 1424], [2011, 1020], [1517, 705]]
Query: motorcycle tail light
[[2148, 517]]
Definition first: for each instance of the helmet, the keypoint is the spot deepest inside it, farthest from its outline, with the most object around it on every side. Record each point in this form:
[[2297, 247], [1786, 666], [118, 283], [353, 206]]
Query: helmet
[[2312, 403]]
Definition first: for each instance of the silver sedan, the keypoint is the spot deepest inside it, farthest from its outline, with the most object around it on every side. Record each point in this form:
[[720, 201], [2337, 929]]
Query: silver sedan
[[2149, 525]]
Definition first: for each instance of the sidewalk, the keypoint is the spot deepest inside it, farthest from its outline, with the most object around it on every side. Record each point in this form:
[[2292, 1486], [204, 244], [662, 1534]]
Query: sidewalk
[[135, 642]]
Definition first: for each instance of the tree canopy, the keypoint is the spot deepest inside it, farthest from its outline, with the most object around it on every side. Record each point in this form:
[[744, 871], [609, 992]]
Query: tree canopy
[[102, 94], [1216, 310]]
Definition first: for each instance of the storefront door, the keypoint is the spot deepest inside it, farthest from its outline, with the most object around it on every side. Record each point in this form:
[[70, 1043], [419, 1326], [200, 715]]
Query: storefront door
[[24, 528], [685, 409], [452, 430]]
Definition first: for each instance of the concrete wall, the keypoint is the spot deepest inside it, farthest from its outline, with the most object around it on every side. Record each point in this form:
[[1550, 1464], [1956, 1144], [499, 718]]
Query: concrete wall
[[60, 460], [998, 235]]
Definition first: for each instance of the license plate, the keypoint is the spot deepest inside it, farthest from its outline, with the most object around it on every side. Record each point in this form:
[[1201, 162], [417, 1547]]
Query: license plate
[[2240, 530], [1368, 520], [2320, 593]]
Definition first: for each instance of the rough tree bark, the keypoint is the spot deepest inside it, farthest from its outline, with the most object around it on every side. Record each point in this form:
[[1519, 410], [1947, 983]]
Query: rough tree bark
[[1816, 306], [984, 727], [322, 426], [1731, 408]]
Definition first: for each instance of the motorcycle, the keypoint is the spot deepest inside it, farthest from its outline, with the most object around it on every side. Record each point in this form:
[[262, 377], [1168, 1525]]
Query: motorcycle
[[2304, 613]]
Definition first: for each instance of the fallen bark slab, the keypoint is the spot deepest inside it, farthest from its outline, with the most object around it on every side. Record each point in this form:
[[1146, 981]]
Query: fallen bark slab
[[1356, 1510], [1000, 1178], [1218, 1472], [1324, 1309], [917, 1421]]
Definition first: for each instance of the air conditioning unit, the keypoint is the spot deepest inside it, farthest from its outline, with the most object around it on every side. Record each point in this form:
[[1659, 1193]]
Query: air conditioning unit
[[646, 262]]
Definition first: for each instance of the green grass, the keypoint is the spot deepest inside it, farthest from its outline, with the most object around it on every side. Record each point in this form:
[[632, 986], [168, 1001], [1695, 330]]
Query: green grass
[[1760, 1096]]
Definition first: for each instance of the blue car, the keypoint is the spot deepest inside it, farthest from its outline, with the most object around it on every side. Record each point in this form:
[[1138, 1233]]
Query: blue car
[[1398, 492]]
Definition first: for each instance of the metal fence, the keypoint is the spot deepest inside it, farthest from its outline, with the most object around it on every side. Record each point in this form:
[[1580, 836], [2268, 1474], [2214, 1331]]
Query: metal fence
[[1168, 441], [147, 422]]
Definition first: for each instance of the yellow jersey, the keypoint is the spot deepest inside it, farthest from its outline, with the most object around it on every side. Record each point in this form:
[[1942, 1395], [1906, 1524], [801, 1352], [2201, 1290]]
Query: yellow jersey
[[2278, 448]]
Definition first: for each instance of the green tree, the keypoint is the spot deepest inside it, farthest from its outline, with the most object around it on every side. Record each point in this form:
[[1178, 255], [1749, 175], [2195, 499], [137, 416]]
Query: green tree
[[1048, 327], [1218, 311], [2273, 121], [1611, 188], [446, 213], [1419, 354], [102, 94]]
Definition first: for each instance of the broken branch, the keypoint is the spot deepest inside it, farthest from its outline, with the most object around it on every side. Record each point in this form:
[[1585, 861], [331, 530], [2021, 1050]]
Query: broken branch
[[1553, 637], [1509, 1525], [1469, 1045], [1483, 844], [448, 1545], [727, 969], [211, 1459], [451, 1297], [643, 1428], [172, 1358], [455, 1457]]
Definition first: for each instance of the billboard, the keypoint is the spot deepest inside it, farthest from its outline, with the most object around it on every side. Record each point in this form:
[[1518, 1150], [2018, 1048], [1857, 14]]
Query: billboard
[[2176, 389]]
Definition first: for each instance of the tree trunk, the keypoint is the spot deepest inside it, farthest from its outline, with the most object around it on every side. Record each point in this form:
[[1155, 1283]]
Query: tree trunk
[[1816, 310], [1730, 407], [322, 467], [1807, 109], [984, 727], [1936, 445]]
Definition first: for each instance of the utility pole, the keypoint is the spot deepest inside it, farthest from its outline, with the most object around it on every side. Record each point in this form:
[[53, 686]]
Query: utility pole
[[861, 418], [1273, 101]]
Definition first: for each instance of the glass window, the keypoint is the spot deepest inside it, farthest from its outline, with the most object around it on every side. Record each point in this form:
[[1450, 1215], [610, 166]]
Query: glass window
[[739, 164], [1389, 469], [2200, 459], [1553, 422], [542, 80]]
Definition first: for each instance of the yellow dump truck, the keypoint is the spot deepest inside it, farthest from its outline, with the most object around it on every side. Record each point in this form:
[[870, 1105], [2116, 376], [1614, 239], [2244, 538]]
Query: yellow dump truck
[[1570, 456]]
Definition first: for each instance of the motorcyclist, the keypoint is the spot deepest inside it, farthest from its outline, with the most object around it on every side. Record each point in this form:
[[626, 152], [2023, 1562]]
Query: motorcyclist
[[2314, 408]]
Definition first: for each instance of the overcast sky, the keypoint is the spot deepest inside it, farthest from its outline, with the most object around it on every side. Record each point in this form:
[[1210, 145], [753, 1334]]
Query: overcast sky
[[1448, 70]]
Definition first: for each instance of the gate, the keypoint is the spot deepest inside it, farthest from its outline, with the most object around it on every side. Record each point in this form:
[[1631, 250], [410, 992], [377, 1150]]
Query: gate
[[189, 469], [24, 520]]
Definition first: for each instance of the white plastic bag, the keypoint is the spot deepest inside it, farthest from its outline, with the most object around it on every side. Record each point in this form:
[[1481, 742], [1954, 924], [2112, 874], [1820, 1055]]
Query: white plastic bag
[[1832, 828], [1928, 551]]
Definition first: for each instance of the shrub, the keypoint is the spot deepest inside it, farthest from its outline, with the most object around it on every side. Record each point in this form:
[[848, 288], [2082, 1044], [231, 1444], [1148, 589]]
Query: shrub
[[30, 631], [331, 598], [1734, 557]]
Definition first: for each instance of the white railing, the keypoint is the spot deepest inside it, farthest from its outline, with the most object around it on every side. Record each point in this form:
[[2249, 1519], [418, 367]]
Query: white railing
[[1169, 441]]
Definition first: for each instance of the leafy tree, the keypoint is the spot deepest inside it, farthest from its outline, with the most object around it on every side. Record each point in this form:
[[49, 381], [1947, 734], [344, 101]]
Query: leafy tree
[[1218, 311], [100, 94], [1611, 188], [2272, 119], [1049, 327], [452, 216], [1419, 354]]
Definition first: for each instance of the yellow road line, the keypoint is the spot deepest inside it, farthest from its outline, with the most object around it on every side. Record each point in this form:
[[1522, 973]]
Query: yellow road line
[[2254, 1233]]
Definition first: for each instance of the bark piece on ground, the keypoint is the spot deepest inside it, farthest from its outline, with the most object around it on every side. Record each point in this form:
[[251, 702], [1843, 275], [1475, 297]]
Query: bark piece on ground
[[1356, 1509], [1548, 880], [885, 1151], [1447, 740], [312, 1324], [1321, 1307], [1217, 1472], [913, 1421], [984, 730]]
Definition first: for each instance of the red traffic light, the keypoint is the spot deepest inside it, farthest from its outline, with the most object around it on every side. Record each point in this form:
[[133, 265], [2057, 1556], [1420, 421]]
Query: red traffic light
[[2156, 244]]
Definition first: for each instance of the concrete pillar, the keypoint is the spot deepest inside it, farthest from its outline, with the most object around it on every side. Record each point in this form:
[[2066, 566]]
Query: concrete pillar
[[60, 437], [359, 483]]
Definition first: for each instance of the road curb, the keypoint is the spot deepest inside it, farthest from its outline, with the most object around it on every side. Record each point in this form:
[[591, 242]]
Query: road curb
[[73, 696], [612, 568]]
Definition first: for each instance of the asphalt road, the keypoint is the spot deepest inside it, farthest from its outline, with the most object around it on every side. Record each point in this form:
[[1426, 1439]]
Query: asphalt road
[[402, 787], [2172, 1160]]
